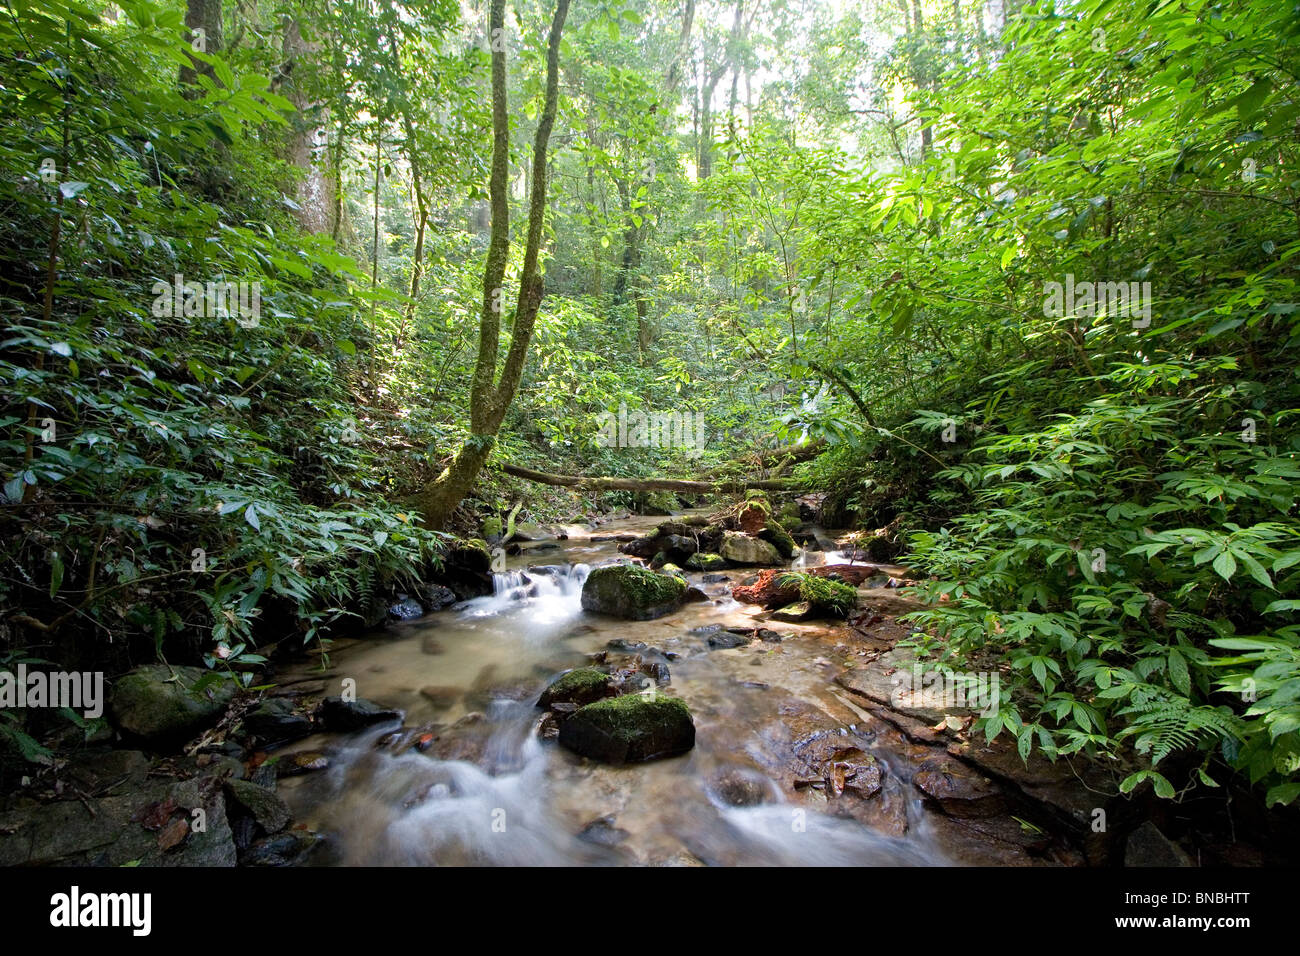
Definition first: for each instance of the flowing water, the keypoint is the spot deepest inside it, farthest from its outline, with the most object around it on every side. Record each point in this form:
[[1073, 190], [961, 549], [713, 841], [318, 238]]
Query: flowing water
[[512, 798]]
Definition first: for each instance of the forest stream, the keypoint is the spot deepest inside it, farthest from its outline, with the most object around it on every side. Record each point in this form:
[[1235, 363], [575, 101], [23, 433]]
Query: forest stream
[[504, 796]]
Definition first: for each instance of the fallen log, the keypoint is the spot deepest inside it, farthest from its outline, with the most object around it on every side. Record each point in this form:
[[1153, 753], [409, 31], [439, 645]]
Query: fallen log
[[651, 484]]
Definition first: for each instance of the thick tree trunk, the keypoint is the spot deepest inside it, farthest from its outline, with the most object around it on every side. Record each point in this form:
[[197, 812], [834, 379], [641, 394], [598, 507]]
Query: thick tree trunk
[[307, 148], [203, 21]]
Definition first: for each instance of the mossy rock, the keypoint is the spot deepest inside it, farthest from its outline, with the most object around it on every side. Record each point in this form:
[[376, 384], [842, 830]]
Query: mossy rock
[[584, 685], [826, 596], [779, 538], [788, 516], [168, 705], [739, 548], [706, 562], [631, 592], [630, 729], [491, 528]]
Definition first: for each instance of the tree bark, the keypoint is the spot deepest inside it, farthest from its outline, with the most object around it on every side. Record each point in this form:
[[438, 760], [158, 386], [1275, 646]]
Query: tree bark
[[202, 15], [490, 396], [316, 191]]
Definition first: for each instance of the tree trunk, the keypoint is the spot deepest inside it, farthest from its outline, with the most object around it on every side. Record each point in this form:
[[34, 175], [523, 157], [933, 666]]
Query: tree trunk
[[490, 397], [316, 190], [205, 16]]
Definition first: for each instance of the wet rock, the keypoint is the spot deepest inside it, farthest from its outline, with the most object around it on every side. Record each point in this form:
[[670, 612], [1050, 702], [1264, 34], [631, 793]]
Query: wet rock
[[644, 548], [486, 695], [263, 805], [835, 764], [584, 685], [441, 697], [678, 546], [603, 832], [291, 848], [794, 613], [957, 789], [657, 670], [167, 705], [306, 761], [275, 721], [694, 595], [714, 578], [707, 561], [405, 610], [740, 548], [1147, 846], [737, 787], [435, 597], [626, 591], [345, 716], [148, 826], [723, 639], [623, 644], [629, 729], [96, 770], [549, 570], [527, 531]]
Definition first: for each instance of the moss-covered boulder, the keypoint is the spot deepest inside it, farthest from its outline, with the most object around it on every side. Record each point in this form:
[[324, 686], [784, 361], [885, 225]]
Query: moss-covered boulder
[[585, 685], [739, 548], [168, 705], [631, 592], [706, 561], [779, 538], [630, 729]]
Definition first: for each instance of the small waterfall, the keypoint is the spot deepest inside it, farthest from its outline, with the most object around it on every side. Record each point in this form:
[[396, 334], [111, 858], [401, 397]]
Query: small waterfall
[[549, 593]]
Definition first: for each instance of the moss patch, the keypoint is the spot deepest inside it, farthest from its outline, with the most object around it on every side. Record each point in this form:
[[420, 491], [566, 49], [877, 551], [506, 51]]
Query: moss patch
[[581, 686], [630, 729]]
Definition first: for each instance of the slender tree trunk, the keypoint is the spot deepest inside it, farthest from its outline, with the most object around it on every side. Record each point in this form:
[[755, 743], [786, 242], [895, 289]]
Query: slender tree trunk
[[490, 396]]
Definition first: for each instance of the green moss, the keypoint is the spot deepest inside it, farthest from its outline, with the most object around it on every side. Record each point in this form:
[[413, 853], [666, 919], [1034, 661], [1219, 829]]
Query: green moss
[[779, 538], [491, 527], [705, 561], [826, 596], [629, 591], [632, 716], [580, 686]]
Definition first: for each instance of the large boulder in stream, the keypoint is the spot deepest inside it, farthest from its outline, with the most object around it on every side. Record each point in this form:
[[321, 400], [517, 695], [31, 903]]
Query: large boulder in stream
[[739, 548], [631, 592], [167, 705], [630, 729]]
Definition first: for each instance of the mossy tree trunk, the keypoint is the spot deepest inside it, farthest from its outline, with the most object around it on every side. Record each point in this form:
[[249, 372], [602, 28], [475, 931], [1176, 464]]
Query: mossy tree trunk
[[491, 394]]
